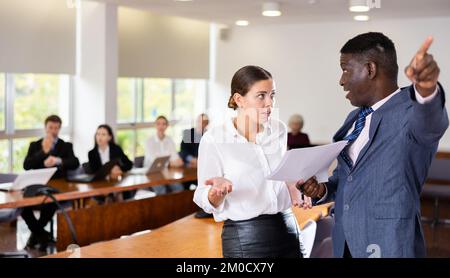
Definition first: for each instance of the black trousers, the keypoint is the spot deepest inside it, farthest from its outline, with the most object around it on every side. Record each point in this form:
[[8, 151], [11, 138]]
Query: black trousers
[[36, 226], [265, 236]]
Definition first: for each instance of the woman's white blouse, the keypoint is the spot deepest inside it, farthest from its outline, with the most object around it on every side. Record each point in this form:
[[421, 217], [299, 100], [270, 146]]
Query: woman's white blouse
[[223, 152], [155, 147]]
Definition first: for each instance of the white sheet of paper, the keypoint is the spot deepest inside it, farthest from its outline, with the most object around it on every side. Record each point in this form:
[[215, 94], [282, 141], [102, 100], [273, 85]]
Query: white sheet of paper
[[302, 164], [38, 176]]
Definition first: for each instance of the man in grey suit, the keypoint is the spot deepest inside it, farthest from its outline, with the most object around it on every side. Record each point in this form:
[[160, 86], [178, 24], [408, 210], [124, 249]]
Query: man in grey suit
[[392, 137]]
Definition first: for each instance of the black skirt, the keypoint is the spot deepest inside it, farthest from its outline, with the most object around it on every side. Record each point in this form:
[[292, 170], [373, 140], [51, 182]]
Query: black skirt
[[265, 236]]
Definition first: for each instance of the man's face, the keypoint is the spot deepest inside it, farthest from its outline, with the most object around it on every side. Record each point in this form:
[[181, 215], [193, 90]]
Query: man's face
[[52, 129], [355, 80]]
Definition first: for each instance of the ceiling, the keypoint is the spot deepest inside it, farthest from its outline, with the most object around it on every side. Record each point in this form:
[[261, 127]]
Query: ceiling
[[294, 11]]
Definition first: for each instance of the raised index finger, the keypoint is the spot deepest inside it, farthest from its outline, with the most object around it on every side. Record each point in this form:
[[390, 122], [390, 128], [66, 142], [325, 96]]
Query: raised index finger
[[425, 46]]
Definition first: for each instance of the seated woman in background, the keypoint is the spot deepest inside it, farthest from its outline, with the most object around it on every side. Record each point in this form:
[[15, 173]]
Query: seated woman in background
[[106, 149], [162, 145], [297, 139]]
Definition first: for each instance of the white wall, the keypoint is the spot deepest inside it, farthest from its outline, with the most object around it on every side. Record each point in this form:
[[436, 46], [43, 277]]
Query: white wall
[[152, 45], [37, 37], [304, 60]]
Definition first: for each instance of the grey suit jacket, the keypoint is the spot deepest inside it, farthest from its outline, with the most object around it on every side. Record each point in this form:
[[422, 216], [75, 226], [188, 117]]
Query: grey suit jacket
[[377, 202]]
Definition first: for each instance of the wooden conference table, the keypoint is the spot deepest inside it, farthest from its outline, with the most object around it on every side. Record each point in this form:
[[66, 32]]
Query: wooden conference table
[[109, 221], [188, 237], [74, 191]]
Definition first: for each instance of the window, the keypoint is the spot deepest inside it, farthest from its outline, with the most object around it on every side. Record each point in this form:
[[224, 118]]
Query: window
[[140, 101], [50, 91], [25, 101], [2, 101], [20, 149], [157, 99], [4, 156], [125, 100]]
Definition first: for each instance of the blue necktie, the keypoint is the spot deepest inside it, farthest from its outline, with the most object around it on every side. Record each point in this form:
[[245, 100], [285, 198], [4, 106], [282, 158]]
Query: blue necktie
[[359, 125]]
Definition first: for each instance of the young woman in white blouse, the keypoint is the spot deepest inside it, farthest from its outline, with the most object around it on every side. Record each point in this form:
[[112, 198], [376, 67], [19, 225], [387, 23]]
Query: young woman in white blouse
[[162, 145], [234, 159]]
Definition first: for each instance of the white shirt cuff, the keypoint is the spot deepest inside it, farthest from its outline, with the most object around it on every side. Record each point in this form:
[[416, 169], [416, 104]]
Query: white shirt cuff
[[324, 195], [58, 161], [208, 207], [423, 100]]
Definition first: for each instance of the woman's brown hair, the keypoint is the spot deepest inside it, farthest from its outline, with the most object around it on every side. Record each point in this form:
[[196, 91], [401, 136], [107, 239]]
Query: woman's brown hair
[[244, 79]]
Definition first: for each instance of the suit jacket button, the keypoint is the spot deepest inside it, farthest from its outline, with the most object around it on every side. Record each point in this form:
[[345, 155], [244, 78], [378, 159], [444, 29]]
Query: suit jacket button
[[346, 207], [349, 178]]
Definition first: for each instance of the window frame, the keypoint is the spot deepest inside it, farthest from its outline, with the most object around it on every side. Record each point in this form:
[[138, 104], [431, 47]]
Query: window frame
[[136, 125], [10, 133]]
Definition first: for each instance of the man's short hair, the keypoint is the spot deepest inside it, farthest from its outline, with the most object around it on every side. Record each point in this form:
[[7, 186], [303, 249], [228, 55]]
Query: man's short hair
[[53, 119], [377, 48]]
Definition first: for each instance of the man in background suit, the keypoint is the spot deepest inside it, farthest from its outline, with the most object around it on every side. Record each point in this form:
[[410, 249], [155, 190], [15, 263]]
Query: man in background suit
[[191, 141], [47, 152], [393, 136], [189, 151]]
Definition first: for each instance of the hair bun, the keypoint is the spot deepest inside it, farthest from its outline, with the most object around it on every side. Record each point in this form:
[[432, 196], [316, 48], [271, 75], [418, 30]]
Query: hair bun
[[232, 103]]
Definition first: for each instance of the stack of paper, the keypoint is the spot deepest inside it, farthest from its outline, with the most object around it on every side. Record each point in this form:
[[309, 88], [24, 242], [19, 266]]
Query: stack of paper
[[302, 164]]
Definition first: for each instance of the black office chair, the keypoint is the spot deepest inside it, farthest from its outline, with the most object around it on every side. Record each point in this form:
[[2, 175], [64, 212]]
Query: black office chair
[[323, 247], [139, 161], [437, 188]]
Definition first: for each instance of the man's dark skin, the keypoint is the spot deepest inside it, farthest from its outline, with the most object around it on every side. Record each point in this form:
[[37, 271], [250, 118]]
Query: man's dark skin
[[367, 84]]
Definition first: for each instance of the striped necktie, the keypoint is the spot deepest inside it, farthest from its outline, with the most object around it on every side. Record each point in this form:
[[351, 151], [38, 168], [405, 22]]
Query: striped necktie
[[359, 125]]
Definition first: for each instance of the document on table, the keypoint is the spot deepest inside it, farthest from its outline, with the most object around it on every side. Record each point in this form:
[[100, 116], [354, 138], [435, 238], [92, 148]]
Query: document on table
[[302, 164]]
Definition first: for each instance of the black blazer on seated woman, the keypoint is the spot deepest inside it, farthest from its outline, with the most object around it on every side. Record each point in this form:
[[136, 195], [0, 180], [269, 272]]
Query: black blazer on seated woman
[[115, 152]]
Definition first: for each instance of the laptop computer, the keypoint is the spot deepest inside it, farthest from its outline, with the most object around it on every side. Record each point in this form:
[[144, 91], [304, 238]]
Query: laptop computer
[[27, 178], [99, 175], [159, 164]]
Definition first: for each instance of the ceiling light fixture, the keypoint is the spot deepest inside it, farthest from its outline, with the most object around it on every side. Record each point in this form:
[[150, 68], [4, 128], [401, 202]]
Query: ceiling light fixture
[[358, 6], [271, 9], [242, 23], [361, 17]]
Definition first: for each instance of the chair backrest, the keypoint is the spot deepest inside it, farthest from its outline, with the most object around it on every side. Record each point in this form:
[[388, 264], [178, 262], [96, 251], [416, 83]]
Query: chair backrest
[[7, 178], [439, 169], [308, 236], [8, 214], [139, 161], [323, 233], [324, 228]]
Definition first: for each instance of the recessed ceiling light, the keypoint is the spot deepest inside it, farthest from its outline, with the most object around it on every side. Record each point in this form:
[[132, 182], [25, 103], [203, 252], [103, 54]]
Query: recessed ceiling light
[[358, 6], [271, 9], [183, 0], [242, 23], [361, 17]]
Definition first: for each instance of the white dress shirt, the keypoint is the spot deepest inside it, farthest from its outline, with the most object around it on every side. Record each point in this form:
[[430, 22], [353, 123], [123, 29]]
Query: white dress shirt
[[223, 152], [104, 155], [156, 147]]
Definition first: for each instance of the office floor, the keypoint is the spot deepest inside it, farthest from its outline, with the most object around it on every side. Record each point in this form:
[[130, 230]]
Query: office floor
[[14, 238]]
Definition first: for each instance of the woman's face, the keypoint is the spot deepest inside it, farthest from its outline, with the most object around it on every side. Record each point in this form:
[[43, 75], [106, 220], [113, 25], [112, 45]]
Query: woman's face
[[161, 126], [257, 104], [102, 137], [295, 126]]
